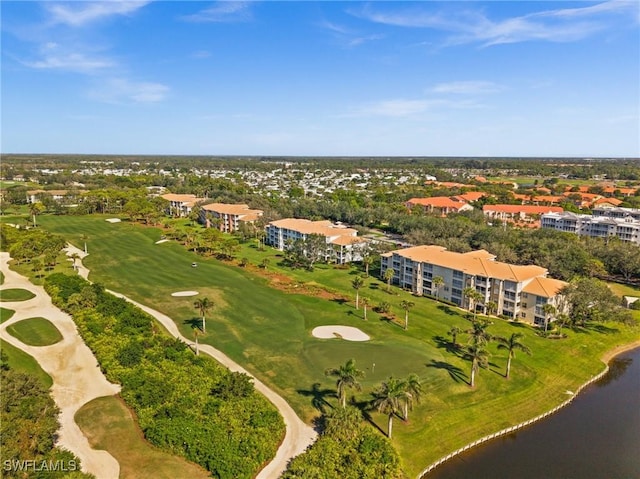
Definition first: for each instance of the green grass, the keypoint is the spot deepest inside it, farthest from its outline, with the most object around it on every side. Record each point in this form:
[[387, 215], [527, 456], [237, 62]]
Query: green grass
[[623, 289], [109, 425], [267, 330], [16, 294], [35, 332], [6, 314], [22, 362]]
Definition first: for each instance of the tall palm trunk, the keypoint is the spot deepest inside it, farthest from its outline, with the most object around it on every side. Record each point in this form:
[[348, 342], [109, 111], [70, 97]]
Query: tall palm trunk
[[406, 320], [390, 425], [473, 375], [508, 366]]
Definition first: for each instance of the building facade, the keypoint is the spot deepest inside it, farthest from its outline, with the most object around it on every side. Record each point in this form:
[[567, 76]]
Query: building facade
[[518, 292], [180, 205], [227, 217], [343, 244], [625, 228]]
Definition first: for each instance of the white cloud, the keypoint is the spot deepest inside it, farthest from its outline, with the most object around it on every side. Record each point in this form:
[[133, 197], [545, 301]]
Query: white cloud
[[467, 87], [405, 108], [348, 37], [72, 62], [120, 90], [78, 14], [222, 11], [474, 26], [200, 54]]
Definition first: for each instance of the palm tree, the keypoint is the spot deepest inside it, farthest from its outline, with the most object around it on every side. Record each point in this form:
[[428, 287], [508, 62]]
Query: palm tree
[[203, 305], [195, 335], [84, 238], [478, 332], [511, 345], [74, 257], [347, 377], [437, 283], [492, 307], [548, 310], [453, 332], [474, 298], [264, 263], [414, 389], [388, 399], [34, 210], [365, 302], [479, 358], [406, 305], [357, 284], [367, 261], [388, 276]]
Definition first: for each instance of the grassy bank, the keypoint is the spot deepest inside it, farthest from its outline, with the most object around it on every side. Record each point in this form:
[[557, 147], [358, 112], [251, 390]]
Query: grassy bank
[[261, 321], [35, 332], [109, 425]]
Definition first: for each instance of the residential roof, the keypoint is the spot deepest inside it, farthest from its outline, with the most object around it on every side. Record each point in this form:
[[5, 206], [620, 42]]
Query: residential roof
[[545, 287], [480, 262], [526, 209], [323, 227], [438, 202], [471, 195], [610, 201], [180, 197], [347, 240], [231, 209]]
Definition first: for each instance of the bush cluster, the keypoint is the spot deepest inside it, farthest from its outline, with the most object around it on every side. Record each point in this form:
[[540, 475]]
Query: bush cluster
[[186, 404]]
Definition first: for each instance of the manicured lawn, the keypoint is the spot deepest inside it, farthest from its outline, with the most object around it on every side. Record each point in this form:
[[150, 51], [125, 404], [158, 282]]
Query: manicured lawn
[[109, 425], [35, 332], [267, 330], [6, 314], [24, 363], [623, 289], [16, 294]]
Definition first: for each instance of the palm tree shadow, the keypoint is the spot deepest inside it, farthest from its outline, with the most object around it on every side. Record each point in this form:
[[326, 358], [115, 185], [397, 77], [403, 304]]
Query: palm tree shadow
[[454, 371], [447, 309], [194, 323], [444, 343], [318, 396], [366, 408], [340, 300]]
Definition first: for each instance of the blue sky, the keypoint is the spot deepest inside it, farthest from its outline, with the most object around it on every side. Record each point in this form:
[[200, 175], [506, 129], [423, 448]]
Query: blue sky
[[497, 78]]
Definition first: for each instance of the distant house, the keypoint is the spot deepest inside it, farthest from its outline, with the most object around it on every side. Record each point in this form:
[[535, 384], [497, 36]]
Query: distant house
[[342, 242], [34, 196], [181, 204], [625, 228], [519, 292], [228, 217], [517, 213], [471, 196], [539, 199], [441, 205]]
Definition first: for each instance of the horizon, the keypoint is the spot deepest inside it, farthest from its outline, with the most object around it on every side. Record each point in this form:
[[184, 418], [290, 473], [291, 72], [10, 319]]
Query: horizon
[[322, 79]]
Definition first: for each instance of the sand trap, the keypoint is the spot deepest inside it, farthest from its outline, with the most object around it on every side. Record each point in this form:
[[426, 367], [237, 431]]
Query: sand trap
[[162, 241], [184, 293], [113, 220], [345, 332]]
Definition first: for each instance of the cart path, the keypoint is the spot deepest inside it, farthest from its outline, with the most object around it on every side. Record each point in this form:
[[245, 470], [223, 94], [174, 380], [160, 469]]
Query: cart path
[[77, 379], [298, 435]]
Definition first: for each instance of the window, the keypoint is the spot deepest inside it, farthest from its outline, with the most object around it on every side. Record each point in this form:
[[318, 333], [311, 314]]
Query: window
[[524, 305], [523, 315]]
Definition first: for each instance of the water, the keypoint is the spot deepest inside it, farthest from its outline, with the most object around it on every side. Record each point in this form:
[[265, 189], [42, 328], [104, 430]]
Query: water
[[596, 437]]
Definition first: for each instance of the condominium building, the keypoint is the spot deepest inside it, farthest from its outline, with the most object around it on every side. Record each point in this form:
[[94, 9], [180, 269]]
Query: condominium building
[[626, 228], [442, 205], [518, 292], [181, 204], [518, 212], [342, 242], [227, 217], [623, 213]]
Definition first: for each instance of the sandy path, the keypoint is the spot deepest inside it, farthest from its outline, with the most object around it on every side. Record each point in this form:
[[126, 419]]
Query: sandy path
[[298, 435], [77, 379]]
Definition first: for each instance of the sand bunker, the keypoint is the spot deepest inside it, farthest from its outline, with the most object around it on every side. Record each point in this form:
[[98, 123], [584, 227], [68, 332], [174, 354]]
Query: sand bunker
[[184, 293], [162, 241], [113, 220], [345, 332]]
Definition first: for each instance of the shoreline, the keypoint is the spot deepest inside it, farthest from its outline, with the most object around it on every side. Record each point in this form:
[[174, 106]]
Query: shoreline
[[606, 358]]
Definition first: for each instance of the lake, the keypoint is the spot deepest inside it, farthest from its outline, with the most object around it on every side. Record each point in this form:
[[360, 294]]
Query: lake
[[596, 437]]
